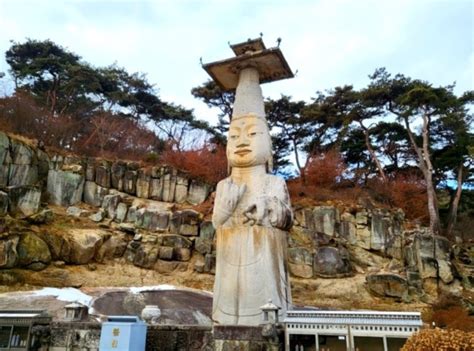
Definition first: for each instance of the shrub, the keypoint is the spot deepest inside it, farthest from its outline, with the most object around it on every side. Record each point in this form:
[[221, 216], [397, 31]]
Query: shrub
[[324, 169], [208, 162], [405, 191], [440, 340]]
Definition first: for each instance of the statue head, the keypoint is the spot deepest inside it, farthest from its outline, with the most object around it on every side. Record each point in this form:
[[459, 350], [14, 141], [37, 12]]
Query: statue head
[[249, 143]]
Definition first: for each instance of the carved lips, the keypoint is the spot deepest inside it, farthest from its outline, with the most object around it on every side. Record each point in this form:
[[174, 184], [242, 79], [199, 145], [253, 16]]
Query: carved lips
[[242, 152]]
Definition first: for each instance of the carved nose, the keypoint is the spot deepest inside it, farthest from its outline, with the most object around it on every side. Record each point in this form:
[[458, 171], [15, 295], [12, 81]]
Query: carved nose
[[243, 141], [243, 144]]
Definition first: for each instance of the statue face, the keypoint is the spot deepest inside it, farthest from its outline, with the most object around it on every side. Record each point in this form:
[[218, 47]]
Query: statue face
[[248, 143]]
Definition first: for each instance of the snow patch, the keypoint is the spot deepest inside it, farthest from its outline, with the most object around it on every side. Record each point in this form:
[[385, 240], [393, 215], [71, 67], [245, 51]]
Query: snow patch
[[65, 294], [136, 290]]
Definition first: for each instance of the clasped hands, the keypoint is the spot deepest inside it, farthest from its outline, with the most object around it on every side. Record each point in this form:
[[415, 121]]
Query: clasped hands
[[263, 210]]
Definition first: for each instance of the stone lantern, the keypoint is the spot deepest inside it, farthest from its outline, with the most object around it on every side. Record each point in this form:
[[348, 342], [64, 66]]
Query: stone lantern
[[270, 313]]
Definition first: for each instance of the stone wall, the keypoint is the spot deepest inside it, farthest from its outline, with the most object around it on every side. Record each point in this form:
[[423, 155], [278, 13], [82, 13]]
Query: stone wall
[[63, 336], [28, 173], [137, 223]]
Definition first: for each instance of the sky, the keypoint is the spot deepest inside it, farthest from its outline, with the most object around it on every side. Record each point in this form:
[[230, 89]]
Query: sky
[[328, 43]]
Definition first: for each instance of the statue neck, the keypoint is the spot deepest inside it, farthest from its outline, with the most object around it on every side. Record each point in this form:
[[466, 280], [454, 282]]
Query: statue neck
[[245, 174]]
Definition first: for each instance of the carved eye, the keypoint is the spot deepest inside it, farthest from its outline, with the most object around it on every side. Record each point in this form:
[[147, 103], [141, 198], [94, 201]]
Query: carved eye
[[233, 137], [252, 134]]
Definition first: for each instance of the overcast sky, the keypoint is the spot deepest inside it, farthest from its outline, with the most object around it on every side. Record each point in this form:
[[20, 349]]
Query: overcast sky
[[329, 42]]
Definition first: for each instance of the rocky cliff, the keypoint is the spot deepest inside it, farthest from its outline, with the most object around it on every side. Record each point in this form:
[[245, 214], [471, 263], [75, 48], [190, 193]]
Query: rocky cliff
[[72, 221]]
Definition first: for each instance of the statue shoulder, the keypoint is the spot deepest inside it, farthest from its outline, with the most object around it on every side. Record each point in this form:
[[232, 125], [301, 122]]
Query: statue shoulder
[[275, 180], [222, 182]]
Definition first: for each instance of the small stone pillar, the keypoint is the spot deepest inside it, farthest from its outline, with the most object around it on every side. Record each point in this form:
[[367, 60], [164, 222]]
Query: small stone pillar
[[75, 312]]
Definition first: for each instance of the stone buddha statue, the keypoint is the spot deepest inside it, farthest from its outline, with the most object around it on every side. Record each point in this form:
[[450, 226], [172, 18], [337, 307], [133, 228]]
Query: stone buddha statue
[[252, 215]]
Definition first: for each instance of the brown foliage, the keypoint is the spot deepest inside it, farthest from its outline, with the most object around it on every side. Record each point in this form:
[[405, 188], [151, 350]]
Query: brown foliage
[[208, 162], [405, 191], [322, 181], [324, 169], [440, 340], [449, 312], [103, 135]]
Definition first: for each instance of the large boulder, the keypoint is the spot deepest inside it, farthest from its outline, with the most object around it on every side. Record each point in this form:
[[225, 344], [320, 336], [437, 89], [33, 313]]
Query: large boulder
[[65, 188], [332, 262], [385, 284], [84, 244], [112, 248], [24, 200], [33, 252], [300, 262]]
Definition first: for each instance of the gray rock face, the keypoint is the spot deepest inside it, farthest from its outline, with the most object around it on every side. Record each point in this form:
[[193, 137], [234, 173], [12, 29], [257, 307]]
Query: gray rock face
[[121, 212], [143, 184], [24, 200], [8, 251], [130, 182], [324, 220], [22, 174], [4, 147], [110, 205], [300, 262], [21, 153], [151, 219], [3, 203], [94, 194], [102, 174], [117, 174], [169, 185], [332, 262], [173, 240], [181, 191], [198, 192], [65, 188], [185, 222], [430, 256], [390, 285]]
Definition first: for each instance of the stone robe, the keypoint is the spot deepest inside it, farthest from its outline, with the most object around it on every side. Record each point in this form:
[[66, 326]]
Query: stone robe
[[251, 258]]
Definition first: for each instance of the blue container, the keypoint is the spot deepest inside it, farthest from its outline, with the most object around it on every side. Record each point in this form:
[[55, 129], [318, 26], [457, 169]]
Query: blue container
[[123, 333]]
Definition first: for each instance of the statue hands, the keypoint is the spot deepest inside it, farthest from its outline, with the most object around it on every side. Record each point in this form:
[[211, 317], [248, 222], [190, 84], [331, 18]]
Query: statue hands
[[268, 211], [228, 195]]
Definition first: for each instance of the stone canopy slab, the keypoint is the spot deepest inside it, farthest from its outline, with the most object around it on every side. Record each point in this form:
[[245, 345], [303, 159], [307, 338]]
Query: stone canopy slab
[[270, 63]]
